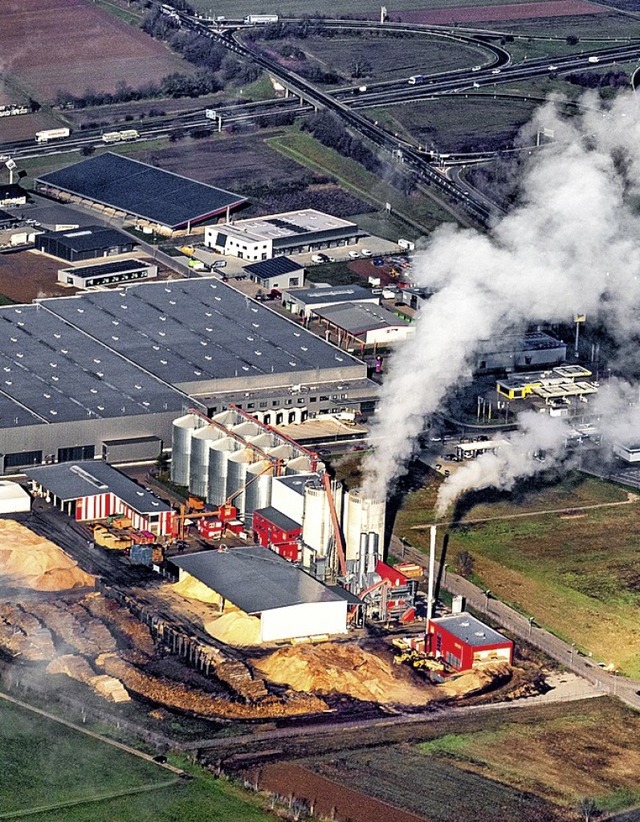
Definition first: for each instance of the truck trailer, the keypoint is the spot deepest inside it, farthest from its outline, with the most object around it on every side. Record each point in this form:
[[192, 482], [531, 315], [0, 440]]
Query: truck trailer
[[260, 19], [52, 134]]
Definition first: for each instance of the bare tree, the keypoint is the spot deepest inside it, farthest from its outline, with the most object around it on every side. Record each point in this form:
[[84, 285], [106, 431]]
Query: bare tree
[[588, 809]]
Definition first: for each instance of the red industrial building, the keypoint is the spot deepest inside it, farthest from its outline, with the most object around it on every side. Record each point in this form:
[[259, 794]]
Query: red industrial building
[[91, 490], [462, 641], [273, 529]]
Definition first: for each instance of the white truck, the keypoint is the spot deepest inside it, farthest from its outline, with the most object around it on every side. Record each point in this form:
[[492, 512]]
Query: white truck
[[260, 19], [52, 134], [594, 59]]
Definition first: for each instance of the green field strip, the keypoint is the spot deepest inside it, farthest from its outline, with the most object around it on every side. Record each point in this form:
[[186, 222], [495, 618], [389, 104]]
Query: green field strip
[[99, 797], [306, 151]]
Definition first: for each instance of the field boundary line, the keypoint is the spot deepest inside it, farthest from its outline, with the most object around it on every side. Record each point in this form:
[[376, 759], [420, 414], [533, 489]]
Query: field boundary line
[[88, 800], [113, 742], [570, 510]]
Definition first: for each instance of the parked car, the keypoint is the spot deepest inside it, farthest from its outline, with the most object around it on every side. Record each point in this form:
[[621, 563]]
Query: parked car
[[317, 258], [366, 253], [354, 255]]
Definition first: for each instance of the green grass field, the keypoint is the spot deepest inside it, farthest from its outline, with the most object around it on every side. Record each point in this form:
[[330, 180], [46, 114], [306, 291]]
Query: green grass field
[[576, 572], [419, 210], [49, 771], [389, 57]]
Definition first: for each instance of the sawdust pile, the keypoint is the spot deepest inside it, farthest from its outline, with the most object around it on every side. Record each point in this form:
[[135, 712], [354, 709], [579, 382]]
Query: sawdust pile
[[173, 694], [235, 628], [476, 681], [345, 669], [30, 561], [192, 588]]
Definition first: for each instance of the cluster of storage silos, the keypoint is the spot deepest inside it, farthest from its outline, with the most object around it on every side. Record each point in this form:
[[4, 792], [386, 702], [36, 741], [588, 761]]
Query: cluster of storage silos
[[231, 455], [361, 515]]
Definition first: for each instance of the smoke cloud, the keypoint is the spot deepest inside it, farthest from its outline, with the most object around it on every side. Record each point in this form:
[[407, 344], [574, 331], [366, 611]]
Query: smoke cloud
[[539, 444], [571, 246]]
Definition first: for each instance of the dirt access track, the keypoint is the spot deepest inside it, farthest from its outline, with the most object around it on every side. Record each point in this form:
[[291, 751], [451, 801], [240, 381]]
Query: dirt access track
[[71, 45]]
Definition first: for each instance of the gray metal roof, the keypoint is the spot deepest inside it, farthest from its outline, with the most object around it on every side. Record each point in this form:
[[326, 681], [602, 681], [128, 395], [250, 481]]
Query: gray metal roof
[[358, 318], [255, 578], [89, 238], [90, 478], [51, 372], [470, 630], [298, 482], [187, 331], [279, 519], [273, 268], [103, 269], [333, 294], [142, 190]]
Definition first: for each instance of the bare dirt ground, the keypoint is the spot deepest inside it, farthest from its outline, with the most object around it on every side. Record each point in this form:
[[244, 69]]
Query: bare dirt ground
[[516, 11], [25, 276], [49, 45]]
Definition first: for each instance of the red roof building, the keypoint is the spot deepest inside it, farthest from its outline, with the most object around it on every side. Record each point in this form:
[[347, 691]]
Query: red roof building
[[462, 641]]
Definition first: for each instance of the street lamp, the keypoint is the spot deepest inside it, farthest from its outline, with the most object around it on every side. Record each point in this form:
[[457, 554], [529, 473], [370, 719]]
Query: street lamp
[[573, 646], [531, 621], [486, 593]]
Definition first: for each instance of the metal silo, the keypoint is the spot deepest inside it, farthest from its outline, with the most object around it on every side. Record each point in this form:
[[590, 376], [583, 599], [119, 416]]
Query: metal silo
[[298, 465], [362, 515], [247, 429], [237, 467], [258, 493], [182, 430], [201, 442], [317, 530], [219, 453]]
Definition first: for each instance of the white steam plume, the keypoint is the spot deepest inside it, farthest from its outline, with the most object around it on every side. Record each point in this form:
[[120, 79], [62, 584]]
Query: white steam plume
[[572, 246], [538, 445]]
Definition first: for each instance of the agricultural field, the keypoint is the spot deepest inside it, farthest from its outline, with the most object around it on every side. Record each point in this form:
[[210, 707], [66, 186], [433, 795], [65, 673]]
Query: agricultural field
[[473, 123], [74, 45], [530, 764], [239, 8], [389, 58], [571, 566]]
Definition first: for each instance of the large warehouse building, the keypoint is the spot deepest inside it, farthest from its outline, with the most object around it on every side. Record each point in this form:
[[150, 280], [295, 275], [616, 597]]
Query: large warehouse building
[[79, 372], [140, 193], [293, 232], [288, 602]]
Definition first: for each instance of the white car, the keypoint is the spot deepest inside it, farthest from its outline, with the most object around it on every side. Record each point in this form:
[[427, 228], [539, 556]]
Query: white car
[[495, 71], [317, 258], [552, 68], [476, 68], [354, 255], [366, 253]]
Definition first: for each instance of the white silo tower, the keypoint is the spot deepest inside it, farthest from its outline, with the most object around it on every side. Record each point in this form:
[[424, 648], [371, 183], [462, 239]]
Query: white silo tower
[[201, 442], [182, 430], [362, 515], [317, 529], [217, 491]]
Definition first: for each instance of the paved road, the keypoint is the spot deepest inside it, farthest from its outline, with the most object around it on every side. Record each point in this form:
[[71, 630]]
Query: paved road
[[562, 652]]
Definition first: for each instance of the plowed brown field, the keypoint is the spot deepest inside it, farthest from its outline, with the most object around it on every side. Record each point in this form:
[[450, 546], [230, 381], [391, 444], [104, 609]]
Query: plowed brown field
[[71, 45]]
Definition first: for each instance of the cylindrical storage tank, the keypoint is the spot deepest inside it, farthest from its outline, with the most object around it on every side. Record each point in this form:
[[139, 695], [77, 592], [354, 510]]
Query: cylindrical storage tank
[[182, 430], [317, 529], [362, 515], [237, 467], [298, 465], [258, 493], [219, 453], [247, 429], [201, 442]]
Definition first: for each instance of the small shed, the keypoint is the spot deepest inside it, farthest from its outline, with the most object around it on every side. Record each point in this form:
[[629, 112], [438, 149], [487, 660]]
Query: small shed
[[462, 641], [308, 300], [13, 498], [279, 272]]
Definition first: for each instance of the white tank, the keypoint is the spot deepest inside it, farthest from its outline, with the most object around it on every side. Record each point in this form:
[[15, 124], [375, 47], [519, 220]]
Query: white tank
[[362, 515], [237, 467], [201, 443], [219, 454], [182, 430], [258, 493], [317, 529]]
